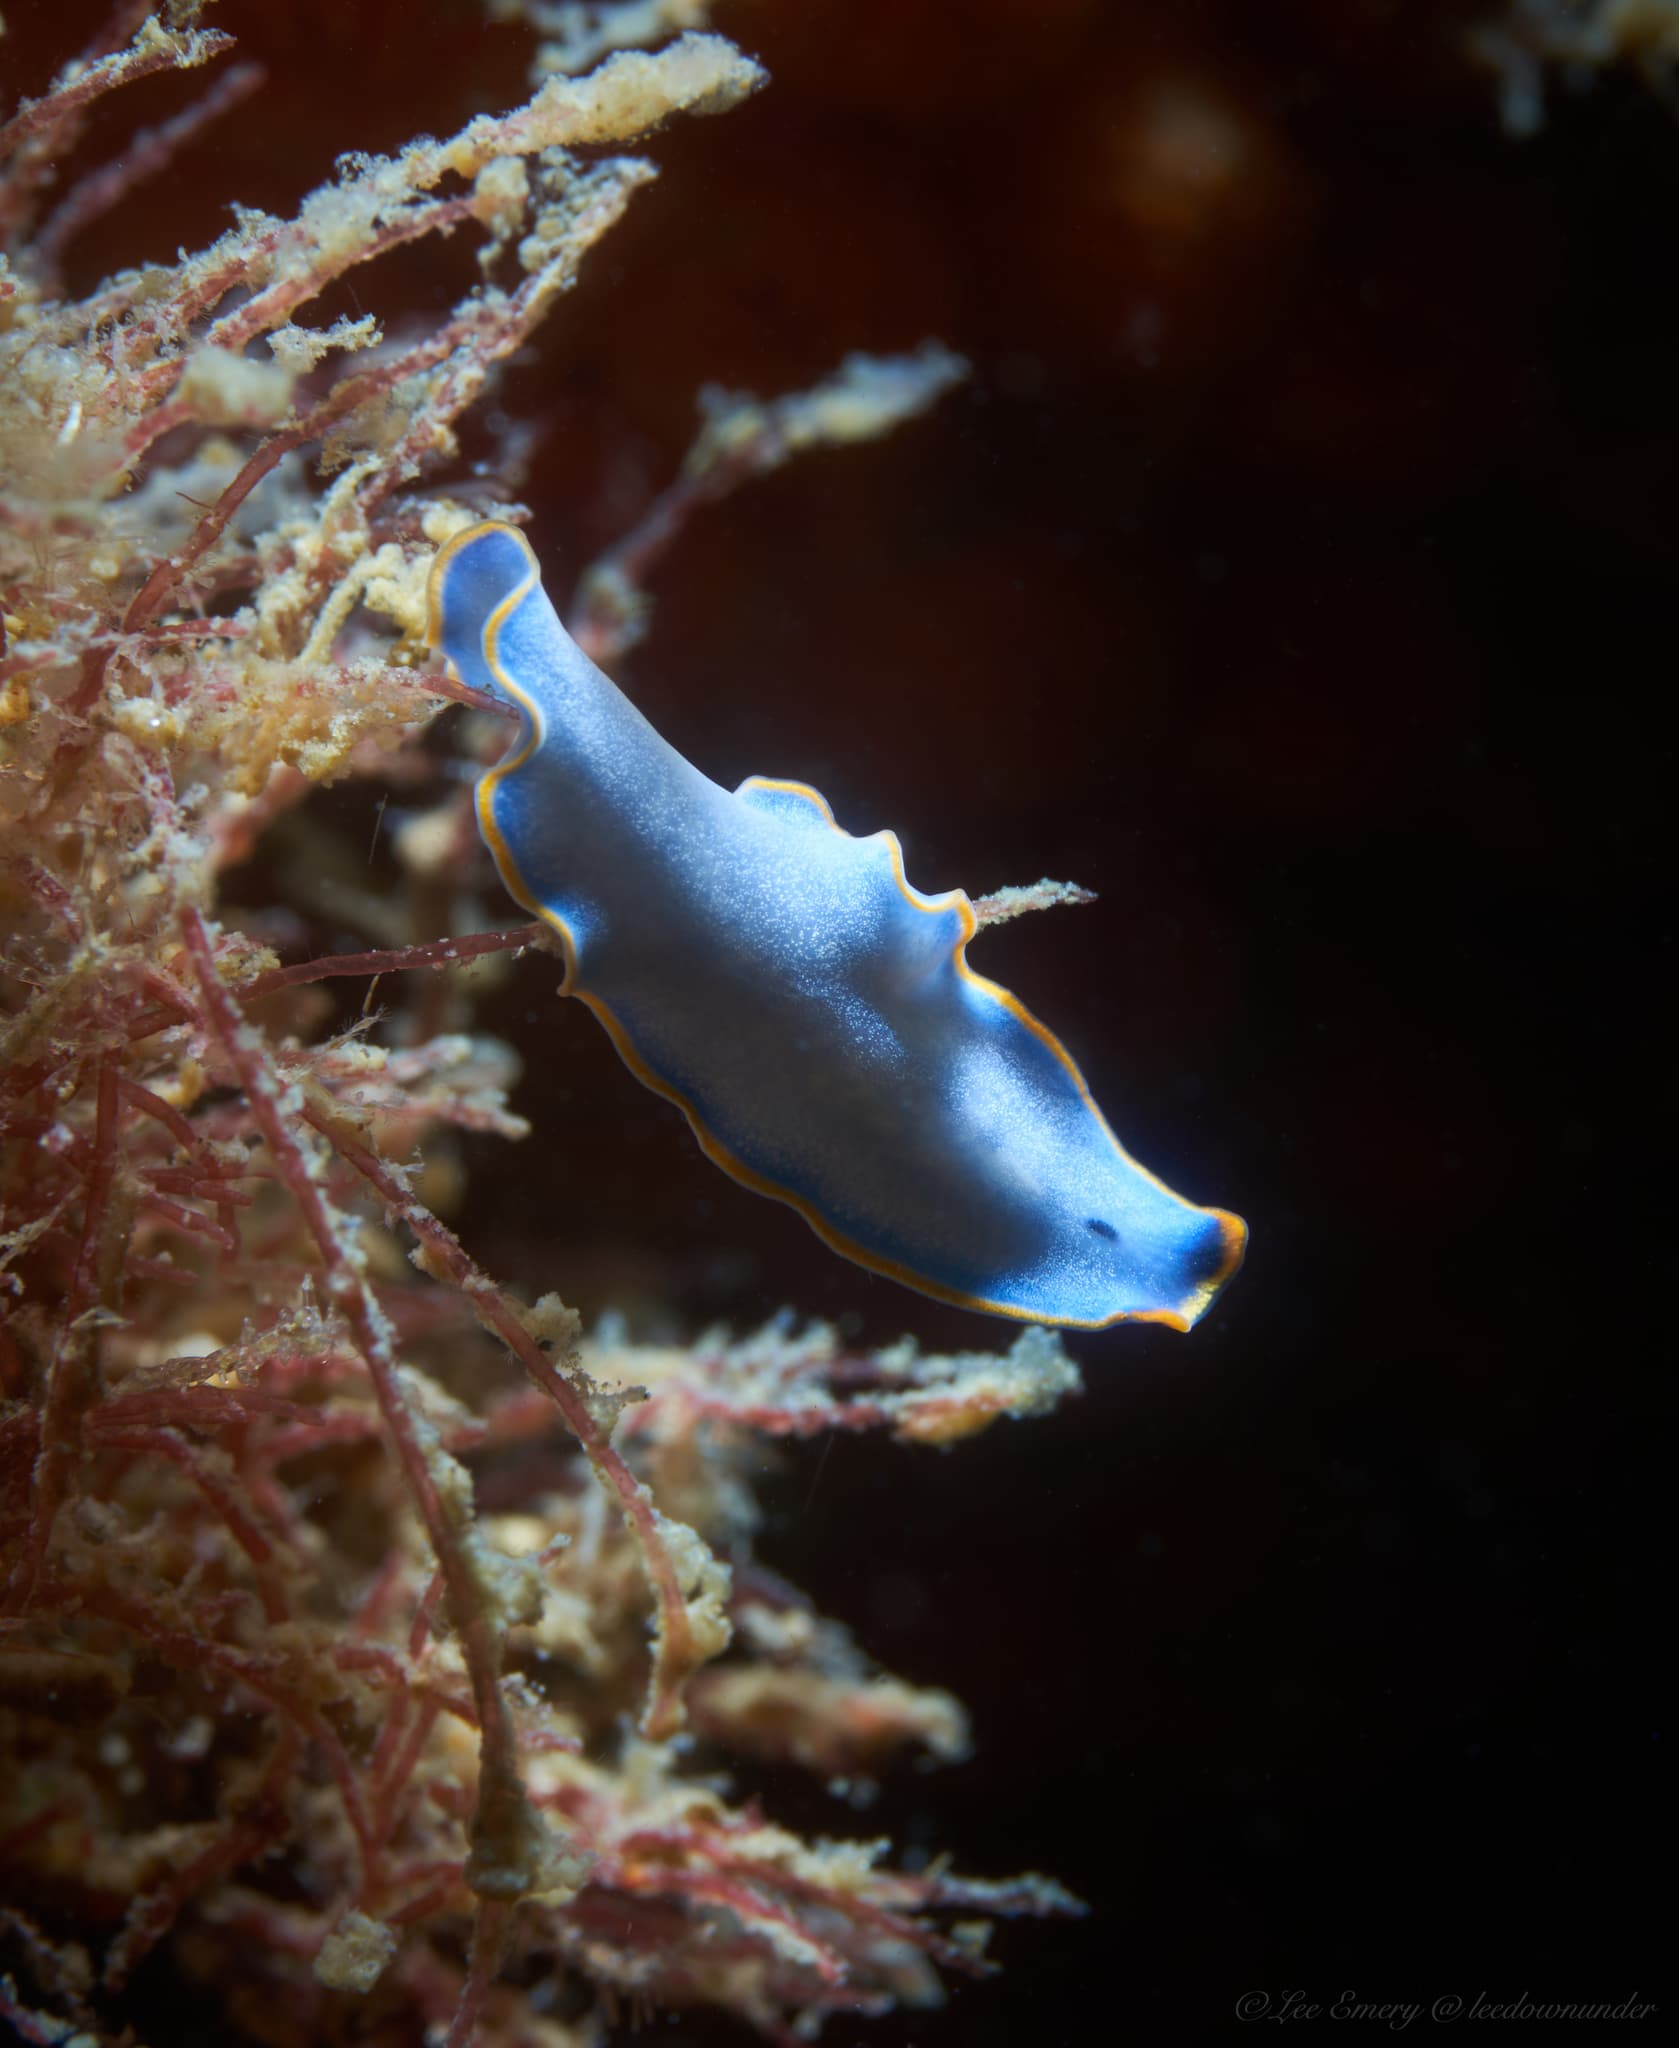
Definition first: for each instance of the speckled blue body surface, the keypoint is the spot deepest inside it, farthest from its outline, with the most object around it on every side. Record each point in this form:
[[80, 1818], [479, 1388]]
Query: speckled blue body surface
[[812, 1014]]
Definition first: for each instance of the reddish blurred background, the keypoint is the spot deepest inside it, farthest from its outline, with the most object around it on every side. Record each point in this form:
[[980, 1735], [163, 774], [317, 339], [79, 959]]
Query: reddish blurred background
[[1292, 572]]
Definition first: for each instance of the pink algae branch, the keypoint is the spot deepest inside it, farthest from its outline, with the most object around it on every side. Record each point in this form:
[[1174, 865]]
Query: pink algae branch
[[347, 1290], [685, 1635], [47, 127], [69, 1380], [151, 152], [438, 953]]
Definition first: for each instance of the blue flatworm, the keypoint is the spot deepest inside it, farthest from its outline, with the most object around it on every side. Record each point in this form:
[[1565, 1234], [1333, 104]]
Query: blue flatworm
[[811, 1013]]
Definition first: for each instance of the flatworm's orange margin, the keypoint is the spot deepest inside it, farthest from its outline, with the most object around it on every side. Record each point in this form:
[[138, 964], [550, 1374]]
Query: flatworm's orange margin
[[1233, 1231]]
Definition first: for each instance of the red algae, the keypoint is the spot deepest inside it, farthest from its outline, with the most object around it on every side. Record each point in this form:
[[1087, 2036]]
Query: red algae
[[287, 1706]]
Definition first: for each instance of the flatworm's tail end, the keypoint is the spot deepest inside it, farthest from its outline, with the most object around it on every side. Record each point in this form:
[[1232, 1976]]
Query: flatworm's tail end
[[473, 573]]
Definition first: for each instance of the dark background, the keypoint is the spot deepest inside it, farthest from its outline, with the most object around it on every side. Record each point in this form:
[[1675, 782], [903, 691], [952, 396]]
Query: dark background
[[1294, 572]]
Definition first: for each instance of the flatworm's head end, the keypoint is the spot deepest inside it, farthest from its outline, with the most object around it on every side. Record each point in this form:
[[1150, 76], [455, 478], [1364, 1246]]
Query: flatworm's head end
[[1211, 1264], [474, 572], [1168, 1265]]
